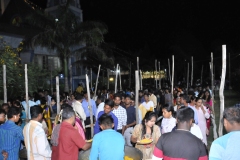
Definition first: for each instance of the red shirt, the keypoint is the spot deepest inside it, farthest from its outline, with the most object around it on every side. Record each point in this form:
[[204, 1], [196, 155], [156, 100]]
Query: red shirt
[[69, 142]]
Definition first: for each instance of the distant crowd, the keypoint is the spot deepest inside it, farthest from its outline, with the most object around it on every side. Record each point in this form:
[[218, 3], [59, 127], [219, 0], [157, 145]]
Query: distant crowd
[[164, 125]]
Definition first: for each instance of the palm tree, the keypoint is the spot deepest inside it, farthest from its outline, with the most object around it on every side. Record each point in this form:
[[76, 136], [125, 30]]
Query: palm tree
[[65, 32]]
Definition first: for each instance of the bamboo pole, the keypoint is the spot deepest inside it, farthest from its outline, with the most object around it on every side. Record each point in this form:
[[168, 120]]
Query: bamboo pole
[[220, 128], [138, 64], [4, 84], [187, 77], [26, 90], [213, 110], [116, 79], [95, 90], [71, 88], [155, 77], [192, 72], [201, 74], [136, 95], [130, 72], [229, 61], [120, 81], [91, 79], [141, 87], [169, 73], [108, 78], [172, 77], [89, 104], [58, 95], [159, 75]]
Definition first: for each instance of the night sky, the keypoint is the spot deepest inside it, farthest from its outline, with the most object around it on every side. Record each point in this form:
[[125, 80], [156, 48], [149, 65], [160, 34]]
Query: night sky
[[160, 28]]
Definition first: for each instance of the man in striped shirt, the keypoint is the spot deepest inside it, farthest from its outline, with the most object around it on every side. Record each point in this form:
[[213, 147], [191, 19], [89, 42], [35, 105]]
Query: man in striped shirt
[[11, 135], [120, 113]]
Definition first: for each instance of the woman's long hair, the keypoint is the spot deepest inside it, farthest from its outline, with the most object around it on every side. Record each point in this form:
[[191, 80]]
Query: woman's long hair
[[209, 96], [147, 118]]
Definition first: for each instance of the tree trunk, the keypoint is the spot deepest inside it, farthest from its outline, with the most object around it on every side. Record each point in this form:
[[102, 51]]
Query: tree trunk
[[65, 70]]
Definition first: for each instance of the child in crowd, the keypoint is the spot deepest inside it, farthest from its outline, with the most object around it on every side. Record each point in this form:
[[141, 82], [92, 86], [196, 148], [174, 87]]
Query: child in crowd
[[168, 122]]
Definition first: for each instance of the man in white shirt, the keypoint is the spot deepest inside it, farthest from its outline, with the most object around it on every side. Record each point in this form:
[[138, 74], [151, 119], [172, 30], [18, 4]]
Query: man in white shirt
[[100, 101], [77, 107], [152, 98], [120, 113], [35, 138]]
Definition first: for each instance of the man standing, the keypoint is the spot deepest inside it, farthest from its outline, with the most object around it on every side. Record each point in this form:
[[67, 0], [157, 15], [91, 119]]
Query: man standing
[[35, 138], [11, 135], [184, 99], [141, 96], [227, 146], [2, 116], [180, 144], [131, 120], [168, 97], [87, 112], [69, 140], [102, 147], [77, 107], [152, 98], [108, 107], [100, 102], [31, 103], [120, 113]]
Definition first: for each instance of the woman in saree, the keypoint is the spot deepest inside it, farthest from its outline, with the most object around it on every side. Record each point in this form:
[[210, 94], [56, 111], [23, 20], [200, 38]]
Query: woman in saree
[[146, 130]]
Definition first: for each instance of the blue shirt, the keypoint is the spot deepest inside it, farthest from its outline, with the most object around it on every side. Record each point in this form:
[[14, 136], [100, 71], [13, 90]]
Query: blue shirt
[[86, 109], [226, 147], [195, 114], [10, 139], [107, 145], [97, 128], [131, 114], [30, 103]]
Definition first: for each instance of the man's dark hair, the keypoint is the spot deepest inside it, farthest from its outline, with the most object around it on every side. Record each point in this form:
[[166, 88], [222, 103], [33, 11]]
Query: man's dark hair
[[185, 97], [140, 91], [17, 103], [185, 114], [146, 94], [13, 111], [53, 99], [127, 96], [43, 101], [2, 111], [65, 105], [117, 95], [150, 90], [109, 102], [78, 96], [5, 105], [35, 111], [101, 98], [232, 114], [67, 113], [106, 120]]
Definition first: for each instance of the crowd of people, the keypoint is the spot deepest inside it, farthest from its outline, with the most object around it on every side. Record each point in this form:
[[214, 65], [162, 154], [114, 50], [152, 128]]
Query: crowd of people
[[177, 125]]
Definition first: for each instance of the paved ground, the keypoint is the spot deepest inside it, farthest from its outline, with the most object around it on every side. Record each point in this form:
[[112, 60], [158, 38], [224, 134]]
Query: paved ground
[[230, 98]]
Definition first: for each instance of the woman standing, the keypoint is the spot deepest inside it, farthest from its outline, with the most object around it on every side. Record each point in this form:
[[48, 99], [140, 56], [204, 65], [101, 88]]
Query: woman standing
[[202, 116], [146, 130], [208, 103]]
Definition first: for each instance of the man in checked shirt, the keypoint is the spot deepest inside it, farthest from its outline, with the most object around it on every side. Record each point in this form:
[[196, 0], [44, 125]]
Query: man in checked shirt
[[120, 113]]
